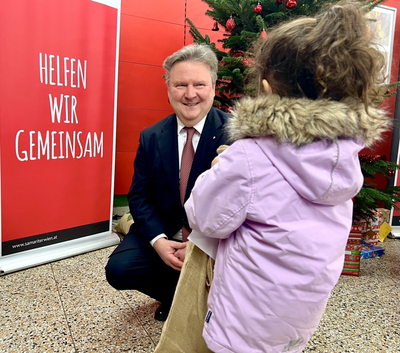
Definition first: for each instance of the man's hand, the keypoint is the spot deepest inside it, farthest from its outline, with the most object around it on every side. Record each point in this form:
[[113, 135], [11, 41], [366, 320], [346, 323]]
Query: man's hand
[[181, 253], [166, 249]]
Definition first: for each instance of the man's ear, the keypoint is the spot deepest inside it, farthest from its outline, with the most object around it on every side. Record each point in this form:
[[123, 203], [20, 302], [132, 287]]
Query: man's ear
[[266, 86]]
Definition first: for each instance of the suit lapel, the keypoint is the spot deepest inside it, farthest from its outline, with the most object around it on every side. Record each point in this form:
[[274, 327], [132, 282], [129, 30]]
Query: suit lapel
[[168, 149], [206, 150]]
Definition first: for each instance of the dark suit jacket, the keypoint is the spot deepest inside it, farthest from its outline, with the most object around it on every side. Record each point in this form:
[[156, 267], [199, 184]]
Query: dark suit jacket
[[154, 199]]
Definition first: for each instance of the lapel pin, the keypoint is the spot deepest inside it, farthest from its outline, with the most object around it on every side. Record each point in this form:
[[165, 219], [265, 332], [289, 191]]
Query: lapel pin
[[213, 137]]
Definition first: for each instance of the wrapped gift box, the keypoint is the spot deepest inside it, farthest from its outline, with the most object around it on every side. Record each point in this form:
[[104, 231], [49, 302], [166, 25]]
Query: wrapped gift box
[[371, 236], [369, 251], [357, 232], [352, 258], [384, 213]]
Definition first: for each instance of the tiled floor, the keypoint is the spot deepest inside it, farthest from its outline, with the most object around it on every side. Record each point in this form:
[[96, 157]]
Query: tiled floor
[[67, 306]]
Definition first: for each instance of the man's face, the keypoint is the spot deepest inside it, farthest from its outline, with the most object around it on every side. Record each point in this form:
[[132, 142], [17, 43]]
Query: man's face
[[190, 91]]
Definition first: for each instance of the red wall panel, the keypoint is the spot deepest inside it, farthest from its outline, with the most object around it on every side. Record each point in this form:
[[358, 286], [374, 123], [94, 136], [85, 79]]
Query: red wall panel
[[131, 122], [161, 10], [148, 41], [142, 86], [195, 11], [124, 168]]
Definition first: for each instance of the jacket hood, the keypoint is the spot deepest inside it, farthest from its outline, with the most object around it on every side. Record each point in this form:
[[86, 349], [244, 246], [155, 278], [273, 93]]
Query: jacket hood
[[302, 121], [313, 144]]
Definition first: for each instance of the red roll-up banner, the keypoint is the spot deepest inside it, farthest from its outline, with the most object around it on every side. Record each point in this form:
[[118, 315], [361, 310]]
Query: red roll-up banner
[[58, 85]]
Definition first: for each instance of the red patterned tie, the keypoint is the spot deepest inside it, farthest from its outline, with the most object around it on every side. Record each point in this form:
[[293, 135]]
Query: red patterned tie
[[186, 165]]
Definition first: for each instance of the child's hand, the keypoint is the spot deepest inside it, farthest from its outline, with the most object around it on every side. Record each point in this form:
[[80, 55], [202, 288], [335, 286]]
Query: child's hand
[[220, 149], [214, 161]]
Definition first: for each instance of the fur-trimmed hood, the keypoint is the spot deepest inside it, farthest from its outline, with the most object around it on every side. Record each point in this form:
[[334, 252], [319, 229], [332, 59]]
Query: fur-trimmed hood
[[302, 121]]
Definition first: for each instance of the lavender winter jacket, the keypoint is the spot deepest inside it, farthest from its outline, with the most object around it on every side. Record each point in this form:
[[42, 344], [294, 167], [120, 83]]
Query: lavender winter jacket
[[280, 201]]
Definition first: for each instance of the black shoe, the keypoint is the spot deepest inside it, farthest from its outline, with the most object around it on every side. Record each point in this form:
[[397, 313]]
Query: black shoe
[[161, 313]]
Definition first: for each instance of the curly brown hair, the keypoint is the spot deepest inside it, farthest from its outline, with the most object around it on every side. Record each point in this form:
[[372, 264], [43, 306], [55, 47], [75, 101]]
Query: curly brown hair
[[329, 56]]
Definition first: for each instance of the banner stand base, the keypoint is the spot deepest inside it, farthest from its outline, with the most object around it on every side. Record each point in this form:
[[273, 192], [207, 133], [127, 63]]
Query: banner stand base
[[36, 257], [395, 232]]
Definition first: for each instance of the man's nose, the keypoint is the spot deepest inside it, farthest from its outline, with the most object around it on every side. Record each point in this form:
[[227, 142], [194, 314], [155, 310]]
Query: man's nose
[[190, 92]]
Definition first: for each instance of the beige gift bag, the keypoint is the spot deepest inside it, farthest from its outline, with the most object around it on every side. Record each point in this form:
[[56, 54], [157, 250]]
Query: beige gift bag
[[124, 224], [182, 332]]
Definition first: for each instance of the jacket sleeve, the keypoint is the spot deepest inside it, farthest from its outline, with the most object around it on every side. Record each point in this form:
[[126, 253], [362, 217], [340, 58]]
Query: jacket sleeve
[[219, 200], [140, 196]]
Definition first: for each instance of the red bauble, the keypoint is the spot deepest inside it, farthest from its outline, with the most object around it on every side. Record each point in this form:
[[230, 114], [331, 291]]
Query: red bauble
[[237, 53], [291, 4], [391, 173], [230, 24], [258, 8], [263, 34], [280, 2], [248, 62]]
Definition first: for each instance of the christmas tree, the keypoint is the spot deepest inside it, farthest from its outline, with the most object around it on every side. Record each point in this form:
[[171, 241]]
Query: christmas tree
[[369, 198], [246, 21]]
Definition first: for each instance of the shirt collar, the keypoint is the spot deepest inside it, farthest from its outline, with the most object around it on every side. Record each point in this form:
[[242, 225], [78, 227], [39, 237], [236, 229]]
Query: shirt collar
[[198, 127]]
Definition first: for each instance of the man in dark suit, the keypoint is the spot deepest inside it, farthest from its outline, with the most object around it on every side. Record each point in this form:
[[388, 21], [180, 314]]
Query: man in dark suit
[[151, 255]]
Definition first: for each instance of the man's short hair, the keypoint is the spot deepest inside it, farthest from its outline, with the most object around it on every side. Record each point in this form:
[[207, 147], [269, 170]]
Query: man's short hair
[[201, 53]]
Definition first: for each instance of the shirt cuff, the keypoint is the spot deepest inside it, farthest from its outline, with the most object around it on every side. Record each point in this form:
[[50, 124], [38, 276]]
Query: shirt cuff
[[158, 237]]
